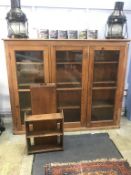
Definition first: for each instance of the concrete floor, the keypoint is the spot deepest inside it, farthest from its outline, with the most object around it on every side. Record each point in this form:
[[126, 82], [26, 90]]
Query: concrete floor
[[15, 161]]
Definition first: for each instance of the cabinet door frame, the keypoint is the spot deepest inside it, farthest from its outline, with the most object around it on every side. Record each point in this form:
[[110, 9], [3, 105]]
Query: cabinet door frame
[[18, 127], [85, 61], [119, 87]]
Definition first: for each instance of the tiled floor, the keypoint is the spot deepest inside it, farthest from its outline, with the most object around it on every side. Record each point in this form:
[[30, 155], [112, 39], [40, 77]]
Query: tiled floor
[[15, 161]]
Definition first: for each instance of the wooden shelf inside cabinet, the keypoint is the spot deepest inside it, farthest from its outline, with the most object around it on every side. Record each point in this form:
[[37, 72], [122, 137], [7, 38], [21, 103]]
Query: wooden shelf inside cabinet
[[68, 83], [69, 89], [106, 62], [26, 109], [44, 132], [23, 90], [103, 106], [26, 63], [69, 62], [103, 88], [104, 82], [69, 107]]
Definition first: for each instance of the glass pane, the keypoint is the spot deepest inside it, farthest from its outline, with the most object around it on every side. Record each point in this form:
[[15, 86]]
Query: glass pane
[[102, 114], [71, 115], [22, 115], [25, 104], [103, 104], [104, 84], [105, 66], [67, 56], [103, 97], [29, 65], [68, 79], [68, 73], [69, 98], [68, 66], [107, 55], [105, 72], [29, 56]]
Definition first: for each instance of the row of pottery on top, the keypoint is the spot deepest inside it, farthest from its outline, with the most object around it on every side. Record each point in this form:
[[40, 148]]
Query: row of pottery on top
[[67, 34]]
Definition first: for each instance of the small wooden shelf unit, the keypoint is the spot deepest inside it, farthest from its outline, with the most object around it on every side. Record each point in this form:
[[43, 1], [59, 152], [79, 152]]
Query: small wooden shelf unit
[[44, 132]]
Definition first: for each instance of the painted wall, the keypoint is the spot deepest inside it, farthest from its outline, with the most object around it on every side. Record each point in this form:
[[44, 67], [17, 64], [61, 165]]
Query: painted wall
[[128, 99], [56, 14]]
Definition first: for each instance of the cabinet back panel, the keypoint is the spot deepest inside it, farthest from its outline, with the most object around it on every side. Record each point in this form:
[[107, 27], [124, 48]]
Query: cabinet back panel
[[68, 73], [105, 72], [99, 114], [68, 66], [71, 115], [107, 55], [68, 56], [105, 96], [69, 98], [25, 104], [25, 101], [29, 65], [29, 74]]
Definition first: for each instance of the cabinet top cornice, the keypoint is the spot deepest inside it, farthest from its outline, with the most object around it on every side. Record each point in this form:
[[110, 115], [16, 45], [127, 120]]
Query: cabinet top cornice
[[68, 40]]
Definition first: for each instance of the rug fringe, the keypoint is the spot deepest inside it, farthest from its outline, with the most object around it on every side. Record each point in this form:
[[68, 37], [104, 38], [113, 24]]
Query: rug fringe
[[86, 161]]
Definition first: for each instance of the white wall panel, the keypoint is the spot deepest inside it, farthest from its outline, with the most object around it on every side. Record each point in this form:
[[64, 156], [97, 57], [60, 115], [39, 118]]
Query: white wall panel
[[56, 14], [102, 4]]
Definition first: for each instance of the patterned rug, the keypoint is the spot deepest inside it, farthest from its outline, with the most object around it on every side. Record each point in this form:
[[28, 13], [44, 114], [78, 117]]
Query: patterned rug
[[100, 167]]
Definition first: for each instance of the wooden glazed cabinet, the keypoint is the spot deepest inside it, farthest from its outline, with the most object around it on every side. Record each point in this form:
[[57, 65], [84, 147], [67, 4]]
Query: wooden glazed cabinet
[[88, 74]]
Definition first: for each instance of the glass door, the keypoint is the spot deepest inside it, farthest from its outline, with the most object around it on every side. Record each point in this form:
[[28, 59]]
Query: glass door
[[68, 78], [103, 84], [30, 67]]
